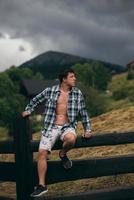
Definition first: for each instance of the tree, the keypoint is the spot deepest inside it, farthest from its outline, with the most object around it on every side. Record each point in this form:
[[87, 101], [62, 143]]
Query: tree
[[95, 75], [130, 74], [10, 109], [16, 74], [7, 87], [11, 101], [96, 101]]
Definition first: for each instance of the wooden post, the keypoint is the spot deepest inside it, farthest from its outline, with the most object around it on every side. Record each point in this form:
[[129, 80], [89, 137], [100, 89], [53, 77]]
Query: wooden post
[[23, 159]]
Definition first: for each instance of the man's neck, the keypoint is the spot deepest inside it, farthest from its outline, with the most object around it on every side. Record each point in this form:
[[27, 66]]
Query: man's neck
[[65, 88]]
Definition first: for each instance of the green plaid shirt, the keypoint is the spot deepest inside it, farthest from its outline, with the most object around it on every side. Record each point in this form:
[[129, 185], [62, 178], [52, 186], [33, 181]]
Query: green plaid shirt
[[75, 108]]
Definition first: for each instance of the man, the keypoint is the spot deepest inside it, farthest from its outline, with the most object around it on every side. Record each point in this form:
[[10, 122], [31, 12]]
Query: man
[[64, 103]]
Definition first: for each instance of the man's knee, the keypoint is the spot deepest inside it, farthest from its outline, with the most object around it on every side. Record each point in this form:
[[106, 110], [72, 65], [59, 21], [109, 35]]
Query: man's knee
[[70, 138], [42, 154]]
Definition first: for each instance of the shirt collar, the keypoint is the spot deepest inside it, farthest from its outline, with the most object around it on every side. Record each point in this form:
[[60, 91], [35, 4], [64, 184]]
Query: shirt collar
[[57, 89]]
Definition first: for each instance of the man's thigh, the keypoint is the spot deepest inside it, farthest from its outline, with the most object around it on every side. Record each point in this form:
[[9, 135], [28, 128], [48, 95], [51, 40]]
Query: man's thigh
[[68, 133], [48, 142]]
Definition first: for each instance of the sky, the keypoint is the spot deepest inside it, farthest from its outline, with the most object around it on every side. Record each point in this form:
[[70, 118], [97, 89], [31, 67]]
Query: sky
[[96, 29]]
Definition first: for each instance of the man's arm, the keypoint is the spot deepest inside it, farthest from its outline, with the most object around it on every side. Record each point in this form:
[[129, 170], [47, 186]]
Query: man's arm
[[85, 119], [87, 134], [25, 113], [34, 103]]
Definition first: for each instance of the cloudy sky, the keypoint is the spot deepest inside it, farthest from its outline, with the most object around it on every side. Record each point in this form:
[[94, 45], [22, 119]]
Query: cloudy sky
[[98, 29]]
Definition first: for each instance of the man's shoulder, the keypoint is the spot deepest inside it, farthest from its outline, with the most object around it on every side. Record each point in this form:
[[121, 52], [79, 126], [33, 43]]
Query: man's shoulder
[[77, 90], [52, 88]]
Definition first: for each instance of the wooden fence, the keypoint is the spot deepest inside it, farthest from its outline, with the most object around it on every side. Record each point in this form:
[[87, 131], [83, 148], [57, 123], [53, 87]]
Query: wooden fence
[[24, 171]]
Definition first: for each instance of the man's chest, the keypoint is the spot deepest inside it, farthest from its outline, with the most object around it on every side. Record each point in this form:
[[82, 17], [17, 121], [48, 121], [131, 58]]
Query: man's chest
[[63, 98]]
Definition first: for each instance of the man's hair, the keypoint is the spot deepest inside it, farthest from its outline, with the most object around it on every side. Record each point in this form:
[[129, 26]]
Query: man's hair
[[64, 74]]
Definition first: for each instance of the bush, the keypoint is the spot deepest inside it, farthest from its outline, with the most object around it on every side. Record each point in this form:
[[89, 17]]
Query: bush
[[96, 101], [124, 92], [94, 75], [119, 94], [130, 75]]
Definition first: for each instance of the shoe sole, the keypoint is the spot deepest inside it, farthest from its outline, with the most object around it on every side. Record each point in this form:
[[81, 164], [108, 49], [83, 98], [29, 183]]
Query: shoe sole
[[39, 195]]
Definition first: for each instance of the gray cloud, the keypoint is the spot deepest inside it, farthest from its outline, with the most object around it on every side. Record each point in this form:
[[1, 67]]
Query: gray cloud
[[2, 36], [92, 28], [22, 48]]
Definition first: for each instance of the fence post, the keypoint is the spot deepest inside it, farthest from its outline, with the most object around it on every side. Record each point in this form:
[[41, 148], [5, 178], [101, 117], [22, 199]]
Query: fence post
[[23, 159]]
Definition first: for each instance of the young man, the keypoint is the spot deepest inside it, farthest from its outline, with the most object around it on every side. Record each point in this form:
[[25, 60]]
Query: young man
[[63, 104]]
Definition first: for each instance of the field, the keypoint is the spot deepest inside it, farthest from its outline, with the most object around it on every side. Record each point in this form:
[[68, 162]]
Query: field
[[114, 121]]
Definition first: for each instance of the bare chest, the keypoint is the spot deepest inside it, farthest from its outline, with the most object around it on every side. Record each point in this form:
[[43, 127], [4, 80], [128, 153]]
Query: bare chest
[[62, 99]]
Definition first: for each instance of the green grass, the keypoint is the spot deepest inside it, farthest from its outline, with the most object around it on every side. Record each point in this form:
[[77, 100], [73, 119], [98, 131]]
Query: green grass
[[4, 134], [118, 83]]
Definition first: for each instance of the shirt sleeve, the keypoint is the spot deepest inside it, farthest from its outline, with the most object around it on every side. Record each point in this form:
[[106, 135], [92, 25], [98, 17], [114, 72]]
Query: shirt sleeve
[[84, 115], [38, 99]]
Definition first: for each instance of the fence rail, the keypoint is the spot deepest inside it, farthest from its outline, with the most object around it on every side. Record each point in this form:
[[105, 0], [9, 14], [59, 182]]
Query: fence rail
[[7, 147], [25, 169], [115, 138], [90, 168]]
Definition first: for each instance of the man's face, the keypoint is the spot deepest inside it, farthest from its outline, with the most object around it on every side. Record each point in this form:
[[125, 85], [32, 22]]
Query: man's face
[[70, 80]]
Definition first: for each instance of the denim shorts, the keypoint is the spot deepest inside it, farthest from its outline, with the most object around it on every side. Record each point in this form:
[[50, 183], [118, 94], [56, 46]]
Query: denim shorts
[[56, 133]]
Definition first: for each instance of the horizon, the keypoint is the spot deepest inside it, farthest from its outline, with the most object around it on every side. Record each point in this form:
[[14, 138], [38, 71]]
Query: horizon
[[49, 51]]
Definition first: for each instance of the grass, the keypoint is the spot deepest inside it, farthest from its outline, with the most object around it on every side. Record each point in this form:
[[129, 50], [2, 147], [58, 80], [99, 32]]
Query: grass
[[4, 134], [118, 83]]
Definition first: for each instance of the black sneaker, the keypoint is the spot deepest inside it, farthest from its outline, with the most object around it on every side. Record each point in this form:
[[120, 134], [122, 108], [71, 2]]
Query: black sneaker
[[66, 163], [39, 191]]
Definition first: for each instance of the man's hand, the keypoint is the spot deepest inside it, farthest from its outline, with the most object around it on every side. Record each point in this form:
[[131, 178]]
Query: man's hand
[[25, 113], [87, 134]]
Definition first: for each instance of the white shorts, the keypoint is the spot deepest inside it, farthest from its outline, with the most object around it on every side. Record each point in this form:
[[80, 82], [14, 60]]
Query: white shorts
[[47, 143]]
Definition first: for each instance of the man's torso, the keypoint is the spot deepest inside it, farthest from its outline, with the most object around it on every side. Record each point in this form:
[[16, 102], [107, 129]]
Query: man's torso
[[61, 108]]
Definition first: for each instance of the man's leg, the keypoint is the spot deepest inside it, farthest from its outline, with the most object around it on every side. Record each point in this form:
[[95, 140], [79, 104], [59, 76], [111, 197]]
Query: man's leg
[[45, 146], [68, 143], [42, 166]]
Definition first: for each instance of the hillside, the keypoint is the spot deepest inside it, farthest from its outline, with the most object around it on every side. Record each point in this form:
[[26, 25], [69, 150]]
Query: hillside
[[116, 120], [122, 91], [51, 63]]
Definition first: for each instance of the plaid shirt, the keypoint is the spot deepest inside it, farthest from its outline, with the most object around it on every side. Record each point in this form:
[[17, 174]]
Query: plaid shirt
[[75, 108]]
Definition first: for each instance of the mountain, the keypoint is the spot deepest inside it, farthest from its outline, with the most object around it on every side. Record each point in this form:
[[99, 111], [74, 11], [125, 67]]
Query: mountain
[[51, 63]]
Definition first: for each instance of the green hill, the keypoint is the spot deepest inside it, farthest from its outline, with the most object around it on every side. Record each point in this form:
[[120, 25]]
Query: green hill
[[122, 91], [51, 63]]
